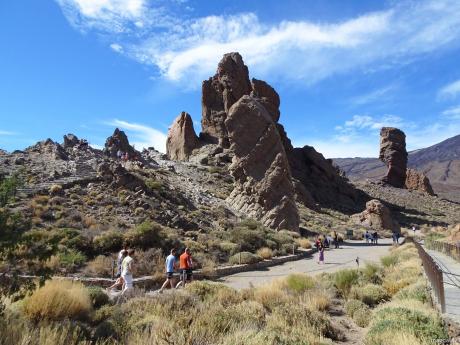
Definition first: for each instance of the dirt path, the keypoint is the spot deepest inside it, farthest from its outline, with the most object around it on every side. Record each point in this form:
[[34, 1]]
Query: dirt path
[[335, 259]]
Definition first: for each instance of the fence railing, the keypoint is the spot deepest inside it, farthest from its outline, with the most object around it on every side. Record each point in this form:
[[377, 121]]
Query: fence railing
[[434, 274], [450, 249]]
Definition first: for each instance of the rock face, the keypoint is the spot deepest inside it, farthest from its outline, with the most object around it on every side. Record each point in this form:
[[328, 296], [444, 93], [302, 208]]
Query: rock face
[[418, 181], [182, 139], [118, 142], [268, 97], [70, 140], [376, 216], [219, 93], [263, 187], [393, 153]]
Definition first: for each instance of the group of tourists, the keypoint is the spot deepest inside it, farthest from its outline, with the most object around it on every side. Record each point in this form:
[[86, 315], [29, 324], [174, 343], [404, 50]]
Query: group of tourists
[[125, 266], [371, 238], [323, 242]]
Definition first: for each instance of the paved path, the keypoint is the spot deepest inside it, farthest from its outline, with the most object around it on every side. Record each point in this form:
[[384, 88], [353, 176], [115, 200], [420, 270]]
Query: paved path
[[335, 259], [451, 277]]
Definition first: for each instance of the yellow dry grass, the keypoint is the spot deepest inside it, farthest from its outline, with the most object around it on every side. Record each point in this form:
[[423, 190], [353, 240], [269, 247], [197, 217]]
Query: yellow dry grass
[[57, 300]]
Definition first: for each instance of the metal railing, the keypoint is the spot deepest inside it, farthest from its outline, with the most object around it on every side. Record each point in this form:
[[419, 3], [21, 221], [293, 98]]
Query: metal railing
[[434, 274], [450, 249]]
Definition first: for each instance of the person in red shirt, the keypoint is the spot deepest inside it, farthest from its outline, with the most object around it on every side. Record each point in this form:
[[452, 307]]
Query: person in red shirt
[[185, 268]]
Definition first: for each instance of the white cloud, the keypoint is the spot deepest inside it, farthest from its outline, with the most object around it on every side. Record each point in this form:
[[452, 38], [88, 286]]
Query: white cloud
[[374, 96], [359, 136], [188, 49], [451, 90], [7, 132], [116, 47], [452, 113], [142, 136]]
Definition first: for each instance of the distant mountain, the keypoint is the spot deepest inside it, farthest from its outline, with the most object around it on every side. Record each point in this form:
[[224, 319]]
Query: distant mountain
[[440, 162]]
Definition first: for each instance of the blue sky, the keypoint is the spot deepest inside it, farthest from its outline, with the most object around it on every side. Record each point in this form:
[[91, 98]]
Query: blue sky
[[342, 68]]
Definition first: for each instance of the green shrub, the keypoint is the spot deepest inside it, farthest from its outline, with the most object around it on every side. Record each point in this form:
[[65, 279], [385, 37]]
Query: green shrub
[[145, 235], [345, 279], [228, 247], [418, 291], [71, 259], [153, 184], [389, 260], [205, 289], [371, 294], [352, 305], [97, 296], [362, 317], [108, 242], [247, 239], [299, 283], [246, 258], [400, 318], [371, 273]]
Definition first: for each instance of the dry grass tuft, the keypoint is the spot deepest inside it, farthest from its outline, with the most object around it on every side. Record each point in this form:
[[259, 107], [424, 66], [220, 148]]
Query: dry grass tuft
[[58, 300]]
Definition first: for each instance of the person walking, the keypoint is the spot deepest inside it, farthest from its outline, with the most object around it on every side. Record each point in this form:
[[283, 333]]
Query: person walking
[[336, 239], [375, 237], [185, 267], [127, 273], [321, 255], [170, 265], [119, 282]]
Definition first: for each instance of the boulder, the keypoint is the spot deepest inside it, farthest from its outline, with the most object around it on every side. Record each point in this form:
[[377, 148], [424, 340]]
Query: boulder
[[219, 93], [376, 216], [418, 181], [393, 153], [118, 141], [182, 139], [263, 182]]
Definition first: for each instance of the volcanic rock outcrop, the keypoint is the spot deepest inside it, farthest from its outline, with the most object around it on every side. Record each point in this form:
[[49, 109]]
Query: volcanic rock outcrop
[[376, 216], [118, 141], [182, 139], [418, 181], [263, 188], [269, 172], [219, 93], [393, 153]]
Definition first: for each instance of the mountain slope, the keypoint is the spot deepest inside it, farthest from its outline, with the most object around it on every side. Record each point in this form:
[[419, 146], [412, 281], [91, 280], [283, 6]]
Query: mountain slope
[[440, 162]]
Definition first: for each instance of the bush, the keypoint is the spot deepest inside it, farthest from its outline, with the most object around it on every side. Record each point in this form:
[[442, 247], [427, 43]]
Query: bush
[[97, 296], [58, 300], [389, 260], [304, 243], [101, 266], [55, 189], [371, 273], [418, 292], [361, 317], [299, 283], [371, 294], [229, 247], [425, 325], [145, 235], [71, 259], [153, 184], [108, 242], [353, 305], [345, 279], [265, 253], [247, 239], [244, 258]]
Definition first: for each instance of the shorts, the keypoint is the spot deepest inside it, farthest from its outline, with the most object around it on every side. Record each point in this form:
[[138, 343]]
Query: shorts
[[128, 281], [187, 273], [169, 275]]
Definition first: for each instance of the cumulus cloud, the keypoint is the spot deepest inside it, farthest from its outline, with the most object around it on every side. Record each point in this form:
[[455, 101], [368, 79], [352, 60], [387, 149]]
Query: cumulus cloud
[[451, 90], [184, 48], [142, 136]]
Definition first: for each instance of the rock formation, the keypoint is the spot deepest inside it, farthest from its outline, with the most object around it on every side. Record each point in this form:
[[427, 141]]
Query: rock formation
[[376, 216], [118, 141], [182, 139], [219, 93], [393, 153], [268, 97], [70, 140], [418, 181], [263, 187]]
